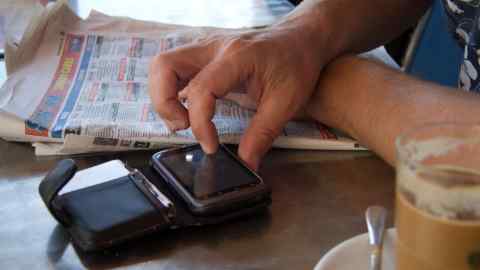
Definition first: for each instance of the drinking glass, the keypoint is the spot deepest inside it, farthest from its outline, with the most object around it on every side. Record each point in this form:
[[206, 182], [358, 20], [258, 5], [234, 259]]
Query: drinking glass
[[437, 212]]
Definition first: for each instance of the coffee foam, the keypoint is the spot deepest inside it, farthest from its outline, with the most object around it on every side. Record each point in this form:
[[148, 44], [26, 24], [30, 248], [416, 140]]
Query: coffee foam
[[427, 191]]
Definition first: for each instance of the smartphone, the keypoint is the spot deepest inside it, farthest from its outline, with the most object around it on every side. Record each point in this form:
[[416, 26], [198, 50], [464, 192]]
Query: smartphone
[[209, 184]]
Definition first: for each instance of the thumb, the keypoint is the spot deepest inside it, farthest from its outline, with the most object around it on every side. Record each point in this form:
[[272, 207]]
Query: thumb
[[264, 128]]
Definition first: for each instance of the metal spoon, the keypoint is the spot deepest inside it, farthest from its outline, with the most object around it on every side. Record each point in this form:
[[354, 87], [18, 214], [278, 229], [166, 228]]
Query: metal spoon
[[375, 217]]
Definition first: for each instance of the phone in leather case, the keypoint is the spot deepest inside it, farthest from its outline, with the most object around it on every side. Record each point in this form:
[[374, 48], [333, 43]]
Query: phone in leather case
[[141, 201], [210, 184], [108, 213]]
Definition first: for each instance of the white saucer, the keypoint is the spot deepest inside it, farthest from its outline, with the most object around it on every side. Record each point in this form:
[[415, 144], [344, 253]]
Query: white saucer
[[353, 254]]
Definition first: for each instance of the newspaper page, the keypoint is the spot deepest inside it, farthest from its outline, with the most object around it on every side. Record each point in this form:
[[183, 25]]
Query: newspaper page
[[99, 90], [85, 90]]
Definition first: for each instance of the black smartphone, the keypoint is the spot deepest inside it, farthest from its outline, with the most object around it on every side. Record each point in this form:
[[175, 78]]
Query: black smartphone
[[210, 184]]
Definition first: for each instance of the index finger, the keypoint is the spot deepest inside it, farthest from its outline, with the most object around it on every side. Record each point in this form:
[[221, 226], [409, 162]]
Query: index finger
[[214, 81], [167, 72]]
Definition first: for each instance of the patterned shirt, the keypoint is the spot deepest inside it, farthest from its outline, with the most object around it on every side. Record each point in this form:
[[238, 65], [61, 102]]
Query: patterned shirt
[[463, 17]]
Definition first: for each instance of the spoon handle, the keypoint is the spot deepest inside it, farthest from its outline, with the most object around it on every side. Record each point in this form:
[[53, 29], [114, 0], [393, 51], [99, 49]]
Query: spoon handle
[[375, 217]]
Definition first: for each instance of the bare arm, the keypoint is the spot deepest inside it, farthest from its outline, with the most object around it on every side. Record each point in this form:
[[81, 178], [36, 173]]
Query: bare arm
[[375, 103], [278, 66], [355, 26]]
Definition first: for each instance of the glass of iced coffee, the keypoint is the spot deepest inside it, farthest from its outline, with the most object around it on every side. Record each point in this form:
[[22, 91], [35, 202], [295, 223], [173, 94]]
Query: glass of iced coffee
[[437, 213]]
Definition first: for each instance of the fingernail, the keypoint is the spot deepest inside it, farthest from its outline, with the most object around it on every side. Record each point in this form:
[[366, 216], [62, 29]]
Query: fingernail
[[182, 99], [253, 162], [170, 125], [182, 94], [180, 124], [175, 125]]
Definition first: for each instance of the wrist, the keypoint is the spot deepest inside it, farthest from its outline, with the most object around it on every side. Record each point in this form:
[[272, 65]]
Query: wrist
[[335, 101], [315, 25]]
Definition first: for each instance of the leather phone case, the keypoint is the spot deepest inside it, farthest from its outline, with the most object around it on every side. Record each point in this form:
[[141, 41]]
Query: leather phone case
[[106, 214]]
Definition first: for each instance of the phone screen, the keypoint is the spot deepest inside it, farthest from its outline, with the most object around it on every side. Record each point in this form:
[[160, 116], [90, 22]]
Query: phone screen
[[204, 175]]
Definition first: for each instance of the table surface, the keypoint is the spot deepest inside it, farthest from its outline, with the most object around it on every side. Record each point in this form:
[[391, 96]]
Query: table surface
[[319, 199]]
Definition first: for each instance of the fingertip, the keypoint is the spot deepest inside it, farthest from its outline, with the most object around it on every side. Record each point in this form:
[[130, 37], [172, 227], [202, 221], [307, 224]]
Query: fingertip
[[206, 134], [209, 147], [249, 157], [183, 94], [169, 125], [175, 125], [256, 142], [181, 124]]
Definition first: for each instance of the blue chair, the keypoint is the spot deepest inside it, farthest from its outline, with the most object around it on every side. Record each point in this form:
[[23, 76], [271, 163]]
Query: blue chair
[[433, 53]]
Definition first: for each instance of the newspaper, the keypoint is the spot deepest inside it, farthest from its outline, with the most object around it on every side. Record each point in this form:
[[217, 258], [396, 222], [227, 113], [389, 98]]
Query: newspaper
[[78, 86]]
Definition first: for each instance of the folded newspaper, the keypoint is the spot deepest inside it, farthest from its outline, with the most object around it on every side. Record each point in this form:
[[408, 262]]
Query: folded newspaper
[[80, 85]]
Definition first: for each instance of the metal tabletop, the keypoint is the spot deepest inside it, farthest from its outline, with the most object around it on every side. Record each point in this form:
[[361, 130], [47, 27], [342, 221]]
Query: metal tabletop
[[319, 199]]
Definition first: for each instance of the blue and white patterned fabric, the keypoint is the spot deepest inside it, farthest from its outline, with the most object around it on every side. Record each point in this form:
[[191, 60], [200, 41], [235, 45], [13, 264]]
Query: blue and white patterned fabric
[[463, 17]]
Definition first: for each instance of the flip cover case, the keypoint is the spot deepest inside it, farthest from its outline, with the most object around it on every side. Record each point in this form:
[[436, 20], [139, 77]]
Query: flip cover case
[[103, 215]]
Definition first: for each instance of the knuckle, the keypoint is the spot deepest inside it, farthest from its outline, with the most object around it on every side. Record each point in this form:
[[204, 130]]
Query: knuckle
[[167, 111], [197, 90], [235, 45], [159, 62], [240, 49], [194, 86], [268, 134]]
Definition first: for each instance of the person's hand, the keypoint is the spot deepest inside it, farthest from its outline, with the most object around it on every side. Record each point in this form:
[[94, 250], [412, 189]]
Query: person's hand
[[278, 67]]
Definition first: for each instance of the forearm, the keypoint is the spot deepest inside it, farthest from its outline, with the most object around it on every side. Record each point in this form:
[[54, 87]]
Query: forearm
[[375, 104], [351, 26]]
